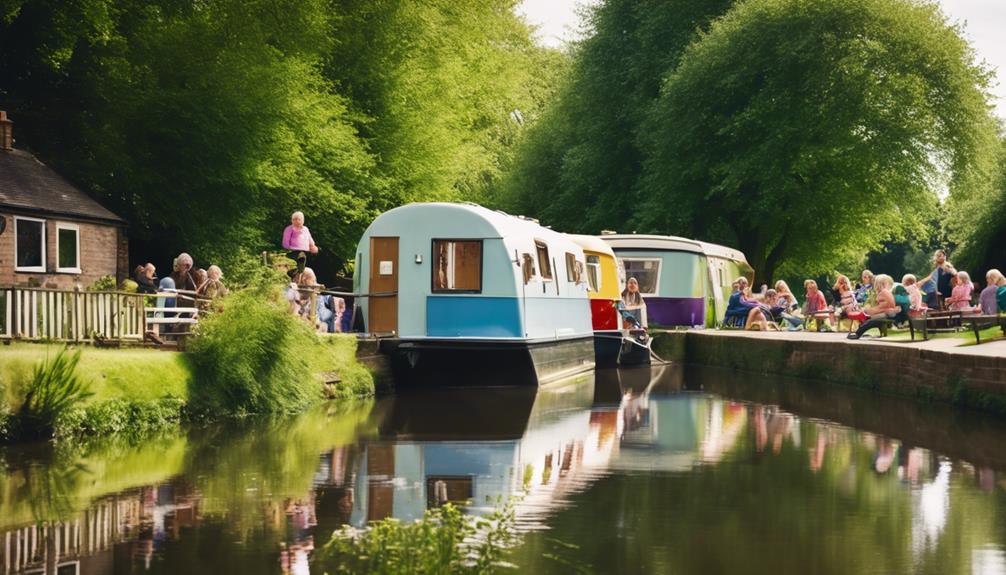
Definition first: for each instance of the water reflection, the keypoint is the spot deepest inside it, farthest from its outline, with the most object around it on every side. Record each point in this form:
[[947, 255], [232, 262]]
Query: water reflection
[[631, 470]]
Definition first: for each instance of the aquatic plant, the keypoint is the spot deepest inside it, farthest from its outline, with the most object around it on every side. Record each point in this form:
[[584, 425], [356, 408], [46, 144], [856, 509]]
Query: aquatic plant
[[444, 541], [250, 357], [55, 387]]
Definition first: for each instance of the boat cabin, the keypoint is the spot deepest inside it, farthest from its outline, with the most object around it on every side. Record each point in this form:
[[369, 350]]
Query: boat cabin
[[684, 282], [443, 276]]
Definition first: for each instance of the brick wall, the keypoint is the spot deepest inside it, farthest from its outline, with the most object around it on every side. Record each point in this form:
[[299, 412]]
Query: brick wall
[[103, 251]]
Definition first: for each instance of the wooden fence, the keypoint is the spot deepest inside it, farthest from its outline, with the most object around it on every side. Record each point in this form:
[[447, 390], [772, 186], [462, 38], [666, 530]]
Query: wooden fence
[[72, 316]]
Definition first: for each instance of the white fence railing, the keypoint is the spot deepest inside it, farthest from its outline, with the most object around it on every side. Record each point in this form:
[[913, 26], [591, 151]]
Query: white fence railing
[[64, 315]]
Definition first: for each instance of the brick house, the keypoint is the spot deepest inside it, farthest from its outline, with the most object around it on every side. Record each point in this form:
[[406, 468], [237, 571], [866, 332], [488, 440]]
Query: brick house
[[52, 234]]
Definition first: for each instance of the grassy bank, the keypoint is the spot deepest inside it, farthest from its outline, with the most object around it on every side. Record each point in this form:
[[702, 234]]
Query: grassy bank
[[142, 390]]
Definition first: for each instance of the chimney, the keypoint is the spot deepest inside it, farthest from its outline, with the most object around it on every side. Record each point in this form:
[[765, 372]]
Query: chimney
[[6, 133]]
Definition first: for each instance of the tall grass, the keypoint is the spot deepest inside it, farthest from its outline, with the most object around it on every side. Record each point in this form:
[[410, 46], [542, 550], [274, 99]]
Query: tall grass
[[444, 541], [250, 356], [54, 389]]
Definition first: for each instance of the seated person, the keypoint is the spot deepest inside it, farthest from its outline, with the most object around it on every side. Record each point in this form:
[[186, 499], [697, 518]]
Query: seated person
[[987, 299], [864, 291], [845, 297], [146, 279], [633, 307], [816, 306], [742, 308], [779, 308], [916, 305], [960, 295], [886, 309]]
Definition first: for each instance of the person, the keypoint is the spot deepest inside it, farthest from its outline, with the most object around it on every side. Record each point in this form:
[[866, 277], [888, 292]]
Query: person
[[742, 310], [845, 298], [633, 307], [987, 299], [181, 275], [886, 308], [199, 278], [297, 239], [778, 308], [936, 285], [916, 305], [146, 279], [212, 288], [864, 291], [299, 292], [816, 306], [960, 295], [791, 308]]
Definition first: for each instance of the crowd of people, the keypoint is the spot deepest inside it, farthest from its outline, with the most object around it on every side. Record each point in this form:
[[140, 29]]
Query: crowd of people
[[871, 303], [196, 287]]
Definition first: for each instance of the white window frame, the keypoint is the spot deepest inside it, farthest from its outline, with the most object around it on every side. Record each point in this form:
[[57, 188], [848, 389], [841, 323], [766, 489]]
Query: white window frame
[[36, 269], [660, 270], [597, 267], [75, 228]]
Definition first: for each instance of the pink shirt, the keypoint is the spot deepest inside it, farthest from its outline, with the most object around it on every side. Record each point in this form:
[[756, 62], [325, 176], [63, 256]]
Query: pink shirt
[[960, 299], [297, 240]]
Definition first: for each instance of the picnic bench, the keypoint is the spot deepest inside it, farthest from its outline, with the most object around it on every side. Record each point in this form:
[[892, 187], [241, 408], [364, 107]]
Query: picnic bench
[[952, 322]]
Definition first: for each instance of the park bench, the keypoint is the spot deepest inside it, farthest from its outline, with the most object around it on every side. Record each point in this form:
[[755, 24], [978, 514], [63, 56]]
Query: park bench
[[979, 322], [935, 322], [174, 323]]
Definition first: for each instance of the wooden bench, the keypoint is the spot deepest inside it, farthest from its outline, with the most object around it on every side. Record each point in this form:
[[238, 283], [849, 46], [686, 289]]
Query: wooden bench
[[930, 321], [979, 322]]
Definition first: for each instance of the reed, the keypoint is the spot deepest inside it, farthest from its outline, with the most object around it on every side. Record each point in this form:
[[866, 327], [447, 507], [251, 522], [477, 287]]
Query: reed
[[54, 389]]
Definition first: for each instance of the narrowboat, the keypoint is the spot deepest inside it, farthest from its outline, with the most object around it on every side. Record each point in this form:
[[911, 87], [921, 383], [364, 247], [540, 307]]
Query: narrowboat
[[605, 283], [684, 282], [463, 294]]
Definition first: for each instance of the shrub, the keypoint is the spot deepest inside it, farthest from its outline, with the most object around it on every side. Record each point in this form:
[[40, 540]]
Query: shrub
[[444, 541], [249, 357], [54, 388], [104, 283]]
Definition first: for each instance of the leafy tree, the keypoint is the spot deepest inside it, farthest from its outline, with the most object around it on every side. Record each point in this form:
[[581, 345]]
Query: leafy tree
[[578, 164], [806, 131], [977, 223], [206, 123]]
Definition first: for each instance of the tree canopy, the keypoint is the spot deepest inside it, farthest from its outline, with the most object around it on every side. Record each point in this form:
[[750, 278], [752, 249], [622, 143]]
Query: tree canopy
[[206, 123], [804, 132]]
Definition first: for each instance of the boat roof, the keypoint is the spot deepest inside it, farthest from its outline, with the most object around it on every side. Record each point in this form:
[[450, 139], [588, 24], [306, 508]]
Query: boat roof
[[592, 244], [672, 243], [484, 222]]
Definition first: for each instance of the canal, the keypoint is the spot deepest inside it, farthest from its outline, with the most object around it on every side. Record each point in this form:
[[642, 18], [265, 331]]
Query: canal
[[661, 470]]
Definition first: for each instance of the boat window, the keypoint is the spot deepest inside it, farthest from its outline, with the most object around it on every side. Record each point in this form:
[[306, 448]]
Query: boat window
[[574, 269], [527, 267], [544, 262], [646, 271], [457, 265], [594, 273]]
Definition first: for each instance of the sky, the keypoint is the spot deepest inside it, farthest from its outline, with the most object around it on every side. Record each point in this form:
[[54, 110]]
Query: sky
[[984, 20]]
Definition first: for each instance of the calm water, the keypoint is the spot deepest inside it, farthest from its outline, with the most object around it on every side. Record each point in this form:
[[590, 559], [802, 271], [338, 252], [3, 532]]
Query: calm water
[[635, 471]]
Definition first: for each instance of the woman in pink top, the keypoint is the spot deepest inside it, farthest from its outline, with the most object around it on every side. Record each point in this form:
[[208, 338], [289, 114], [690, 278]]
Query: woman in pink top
[[297, 238], [960, 298]]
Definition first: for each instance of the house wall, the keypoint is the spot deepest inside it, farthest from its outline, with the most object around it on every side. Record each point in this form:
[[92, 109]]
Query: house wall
[[103, 251]]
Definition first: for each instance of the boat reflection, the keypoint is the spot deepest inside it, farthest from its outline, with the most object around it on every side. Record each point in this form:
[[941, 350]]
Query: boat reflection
[[267, 493]]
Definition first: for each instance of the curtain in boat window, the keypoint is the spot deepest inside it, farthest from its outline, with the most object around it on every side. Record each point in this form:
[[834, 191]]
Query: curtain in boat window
[[457, 265]]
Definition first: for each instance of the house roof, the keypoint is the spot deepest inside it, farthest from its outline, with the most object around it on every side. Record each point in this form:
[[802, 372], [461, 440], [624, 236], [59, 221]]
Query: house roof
[[28, 184]]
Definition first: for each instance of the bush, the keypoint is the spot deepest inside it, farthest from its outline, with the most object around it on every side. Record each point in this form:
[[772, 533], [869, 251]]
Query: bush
[[444, 541], [54, 388], [104, 283], [250, 357]]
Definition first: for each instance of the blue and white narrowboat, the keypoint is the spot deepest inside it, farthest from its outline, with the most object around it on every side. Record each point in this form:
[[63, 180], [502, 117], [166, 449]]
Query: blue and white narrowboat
[[463, 293], [683, 282]]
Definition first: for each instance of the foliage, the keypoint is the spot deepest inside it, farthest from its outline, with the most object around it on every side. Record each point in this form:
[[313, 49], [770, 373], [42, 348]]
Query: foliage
[[104, 283], [137, 418], [250, 357], [445, 540], [577, 165], [977, 224], [55, 387], [206, 124], [337, 354]]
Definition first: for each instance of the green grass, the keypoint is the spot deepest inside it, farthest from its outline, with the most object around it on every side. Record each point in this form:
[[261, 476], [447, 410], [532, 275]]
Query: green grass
[[132, 374]]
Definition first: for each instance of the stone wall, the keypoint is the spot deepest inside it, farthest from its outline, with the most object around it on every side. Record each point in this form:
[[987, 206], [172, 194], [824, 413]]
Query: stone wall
[[977, 381]]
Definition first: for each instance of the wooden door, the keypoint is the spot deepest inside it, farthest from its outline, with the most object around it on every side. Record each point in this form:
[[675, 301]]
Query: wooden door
[[383, 310]]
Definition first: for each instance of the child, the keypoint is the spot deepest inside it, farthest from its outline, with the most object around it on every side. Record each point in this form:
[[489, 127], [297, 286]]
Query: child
[[960, 296], [779, 307], [886, 308], [914, 293], [816, 306]]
